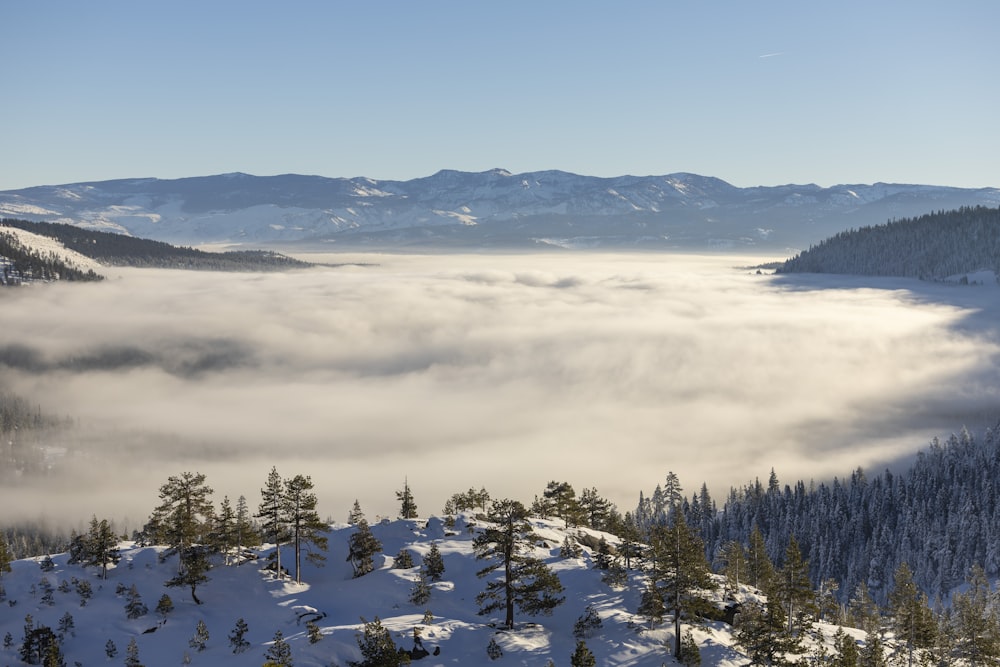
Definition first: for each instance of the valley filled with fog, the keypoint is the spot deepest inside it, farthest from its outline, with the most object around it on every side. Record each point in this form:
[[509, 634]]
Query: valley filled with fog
[[496, 370]]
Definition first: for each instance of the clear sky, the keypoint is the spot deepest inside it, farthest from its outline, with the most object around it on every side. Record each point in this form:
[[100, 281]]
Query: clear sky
[[756, 93]]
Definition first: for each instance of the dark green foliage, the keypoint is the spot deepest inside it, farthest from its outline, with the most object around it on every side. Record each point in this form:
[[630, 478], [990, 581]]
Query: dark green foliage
[[237, 638], [527, 582], [164, 605], [183, 522], [588, 624], [355, 516], [362, 547], [67, 626], [304, 523], [933, 246], [559, 499], [582, 656], [910, 613], [315, 634], [134, 607], [84, 590], [200, 639], [493, 649], [8, 640], [421, 591], [377, 647], [403, 560], [976, 621], [690, 653], [110, 649], [407, 506], [763, 635], [433, 565], [6, 557], [468, 500], [132, 654], [570, 548], [100, 547], [279, 653], [791, 584], [272, 515]]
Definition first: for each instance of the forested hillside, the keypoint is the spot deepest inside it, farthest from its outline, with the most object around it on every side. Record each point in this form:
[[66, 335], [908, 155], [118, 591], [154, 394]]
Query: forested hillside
[[120, 250], [19, 263], [930, 247]]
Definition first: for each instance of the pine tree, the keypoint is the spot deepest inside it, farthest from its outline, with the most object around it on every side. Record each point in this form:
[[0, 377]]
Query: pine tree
[[306, 527], [793, 587], [110, 649], [377, 647], [421, 591], [224, 537], [911, 616], [763, 635], [273, 516], [355, 516], [527, 582], [734, 567], [582, 656], [183, 519], [132, 654], [246, 536], [279, 653], [493, 650], [134, 606], [67, 626], [976, 621], [101, 546], [760, 570], [84, 590], [164, 605], [407, 506], [651, 604], [598, 513], [362, 547], [237, 638], [680, 571], [433, 565], [200, 639], [587, 624], [403, 560], [314, 633], [559, 499]]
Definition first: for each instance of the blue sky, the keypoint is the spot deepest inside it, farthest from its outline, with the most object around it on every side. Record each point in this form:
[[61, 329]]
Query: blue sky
[[756, 93]]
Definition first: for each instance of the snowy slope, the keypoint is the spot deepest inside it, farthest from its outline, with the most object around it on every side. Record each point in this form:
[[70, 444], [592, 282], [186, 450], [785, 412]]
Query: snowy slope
[[492, 208], [338, 601], [44, 246]]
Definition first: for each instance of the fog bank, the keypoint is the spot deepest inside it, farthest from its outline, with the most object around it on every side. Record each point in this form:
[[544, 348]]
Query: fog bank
[[503, 371]]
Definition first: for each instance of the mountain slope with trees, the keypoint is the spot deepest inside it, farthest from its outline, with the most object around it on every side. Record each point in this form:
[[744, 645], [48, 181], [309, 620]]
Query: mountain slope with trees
[[110, 249], [930, 247]]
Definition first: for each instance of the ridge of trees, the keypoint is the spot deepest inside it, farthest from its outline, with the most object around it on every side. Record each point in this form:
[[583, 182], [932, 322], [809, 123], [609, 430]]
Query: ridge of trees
[[929, 247], [19, 263], [112, 249]]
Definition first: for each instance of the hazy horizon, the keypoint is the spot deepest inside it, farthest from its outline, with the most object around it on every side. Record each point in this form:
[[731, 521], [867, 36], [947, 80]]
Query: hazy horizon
[[506, 371]]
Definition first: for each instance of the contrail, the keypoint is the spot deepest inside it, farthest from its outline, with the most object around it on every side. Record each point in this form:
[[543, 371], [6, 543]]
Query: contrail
[[771, 55]]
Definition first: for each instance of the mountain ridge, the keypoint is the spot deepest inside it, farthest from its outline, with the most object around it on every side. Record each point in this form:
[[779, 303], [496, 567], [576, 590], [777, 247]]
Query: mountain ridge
[[494, 208]]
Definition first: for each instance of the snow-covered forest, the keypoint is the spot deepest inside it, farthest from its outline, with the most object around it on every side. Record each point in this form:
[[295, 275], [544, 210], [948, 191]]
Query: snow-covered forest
[[868, 570], [934, 246]]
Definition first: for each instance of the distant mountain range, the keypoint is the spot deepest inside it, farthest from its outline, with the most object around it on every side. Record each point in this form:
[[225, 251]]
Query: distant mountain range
[[481, 210]]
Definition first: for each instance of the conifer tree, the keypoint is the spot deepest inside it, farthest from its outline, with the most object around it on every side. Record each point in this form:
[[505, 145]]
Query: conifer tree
[[407, 506], [132, 654], [314, 632], [355, 516], [559, 499], [976, 621], [582, 656], [680, 572], [734, 567], [164, 605], [433, 565], [183, 520], [403, 560], [224, 537], [134, 606], [306, 527], [246, 536], [760, 570], [527, 582], [272, 515], [421, 591], [279, 653], [793, 587], [911, 616], [763, 635], [377, 647], [110, 649], [101, 545], [362, 547], [200, 639], [598, 513], [237, 638]]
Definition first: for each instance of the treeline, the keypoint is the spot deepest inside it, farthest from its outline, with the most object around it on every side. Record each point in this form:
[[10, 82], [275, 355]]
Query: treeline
[[20, 264], [929, 247], [121, 250]]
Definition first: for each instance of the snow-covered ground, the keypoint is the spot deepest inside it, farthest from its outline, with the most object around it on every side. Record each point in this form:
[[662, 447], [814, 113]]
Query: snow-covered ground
[[45, 245], [338, 601]]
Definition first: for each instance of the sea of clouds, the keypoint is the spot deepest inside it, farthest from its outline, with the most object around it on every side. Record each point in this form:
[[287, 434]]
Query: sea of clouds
[[504, 371]]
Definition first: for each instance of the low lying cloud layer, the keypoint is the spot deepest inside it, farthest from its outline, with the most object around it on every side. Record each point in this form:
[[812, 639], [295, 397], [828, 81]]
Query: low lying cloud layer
[[503, 371]]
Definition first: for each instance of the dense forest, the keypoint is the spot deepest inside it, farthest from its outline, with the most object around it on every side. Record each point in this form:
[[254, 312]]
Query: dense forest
[[120, 250], [930, 247]]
